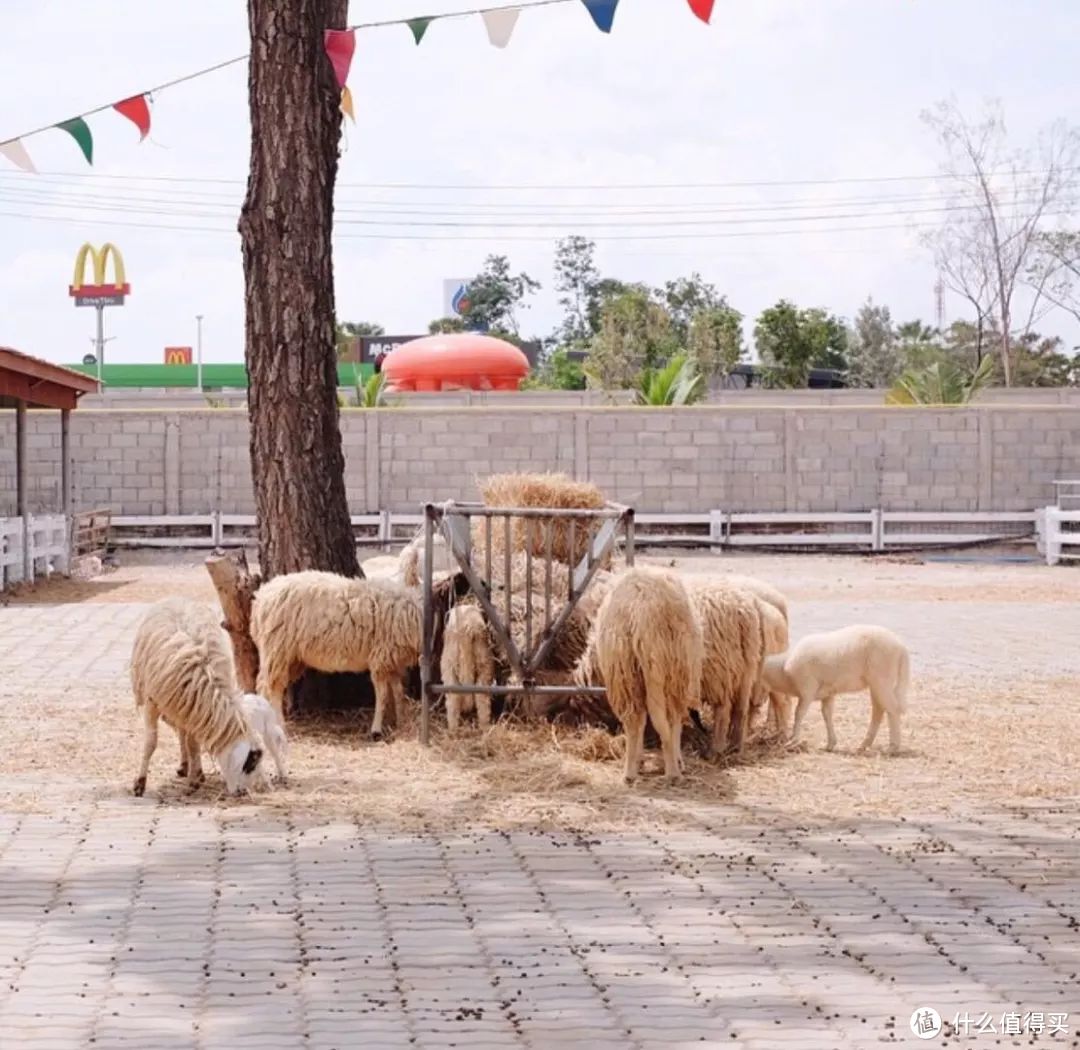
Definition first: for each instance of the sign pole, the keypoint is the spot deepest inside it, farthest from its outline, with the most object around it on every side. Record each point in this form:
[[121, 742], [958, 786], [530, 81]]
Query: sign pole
[[99, 347], [198, 344]]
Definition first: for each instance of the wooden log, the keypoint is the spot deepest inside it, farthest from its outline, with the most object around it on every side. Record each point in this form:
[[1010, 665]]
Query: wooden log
[[236, 586]]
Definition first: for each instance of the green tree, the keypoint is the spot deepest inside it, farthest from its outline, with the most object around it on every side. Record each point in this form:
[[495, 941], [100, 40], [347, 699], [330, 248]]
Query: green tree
[[496, 295], [686, 297], [918, 344], [602, 294], [791, 341], [576, 280], [347, 332], [715, 341], [874, 355], [942, 383], [557, 372], [635, 333], [445, 325], [678, 383]]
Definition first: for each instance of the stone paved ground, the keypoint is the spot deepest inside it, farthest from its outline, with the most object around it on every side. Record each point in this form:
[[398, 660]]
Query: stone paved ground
[[135, 923]]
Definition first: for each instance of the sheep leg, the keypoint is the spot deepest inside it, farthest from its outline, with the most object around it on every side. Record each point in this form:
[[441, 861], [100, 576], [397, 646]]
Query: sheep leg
[[276, 743], [634, 727], [182, 769], [193, 760], [384, 690], [669, 737], [741, 718], [720, 723], [483, 711], [830, 729], [894, 731], [150, 738], [805, 700], [453, 709], [876, 714]]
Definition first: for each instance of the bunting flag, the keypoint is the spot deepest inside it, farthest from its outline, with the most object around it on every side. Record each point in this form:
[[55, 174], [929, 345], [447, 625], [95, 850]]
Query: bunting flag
[[603, 13], [500, 24], [346, 103], [137, 111], [340, 45], [419, 27], [79, 130], [15, 151]]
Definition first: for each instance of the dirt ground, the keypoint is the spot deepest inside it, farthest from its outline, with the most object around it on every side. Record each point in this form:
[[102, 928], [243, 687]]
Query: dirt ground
[[992, 715]]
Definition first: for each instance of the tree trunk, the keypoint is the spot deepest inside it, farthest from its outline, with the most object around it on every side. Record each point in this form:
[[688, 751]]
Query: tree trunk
[[286, 224], [236, 588]]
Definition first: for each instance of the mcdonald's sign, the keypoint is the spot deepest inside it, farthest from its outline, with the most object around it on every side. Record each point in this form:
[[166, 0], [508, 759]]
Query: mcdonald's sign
[[178, 355], [100, 293]]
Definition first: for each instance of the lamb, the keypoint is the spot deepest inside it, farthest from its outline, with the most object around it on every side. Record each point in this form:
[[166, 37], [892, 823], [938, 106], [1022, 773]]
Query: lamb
[[823, 666], [732, 632], [333, 623], [467, 659], [182, 671], [645, 647], [262, 719]]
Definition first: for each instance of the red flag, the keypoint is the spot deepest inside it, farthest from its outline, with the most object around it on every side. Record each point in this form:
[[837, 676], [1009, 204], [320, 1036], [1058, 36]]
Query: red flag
[[340, 45], [702, 8], [137, 111]]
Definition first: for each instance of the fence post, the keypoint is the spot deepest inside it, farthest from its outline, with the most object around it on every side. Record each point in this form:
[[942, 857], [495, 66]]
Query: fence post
[[716, 527], [877, 530]]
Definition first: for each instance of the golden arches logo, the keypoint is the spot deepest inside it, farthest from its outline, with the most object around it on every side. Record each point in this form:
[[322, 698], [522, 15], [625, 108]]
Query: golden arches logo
[[178, 355], [99, 288]]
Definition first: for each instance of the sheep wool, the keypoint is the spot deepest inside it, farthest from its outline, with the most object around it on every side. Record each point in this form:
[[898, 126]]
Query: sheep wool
[[333, 623], [182, 671], [645, 648], [776, 641], [467, 659]]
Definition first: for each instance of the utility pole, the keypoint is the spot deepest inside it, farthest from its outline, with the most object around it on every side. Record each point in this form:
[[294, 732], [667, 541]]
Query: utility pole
[[198, 350]]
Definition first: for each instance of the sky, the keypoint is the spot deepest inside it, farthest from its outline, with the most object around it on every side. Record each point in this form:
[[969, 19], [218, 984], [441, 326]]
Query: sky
[[651, 126]]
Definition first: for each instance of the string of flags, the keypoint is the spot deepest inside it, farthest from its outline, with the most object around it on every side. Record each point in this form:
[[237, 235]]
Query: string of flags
[[340, 46]]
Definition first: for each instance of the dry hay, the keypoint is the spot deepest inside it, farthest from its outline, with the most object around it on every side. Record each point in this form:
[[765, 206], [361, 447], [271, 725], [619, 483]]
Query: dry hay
[[538, 491]]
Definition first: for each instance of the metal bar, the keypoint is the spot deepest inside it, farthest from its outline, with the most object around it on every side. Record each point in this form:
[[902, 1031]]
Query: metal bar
[[520, 690], [549, 528], [569, 558], [428, 646], [487, 550], [507, 570], [611, 512], [628, 552], [528, 591], [21, 501]]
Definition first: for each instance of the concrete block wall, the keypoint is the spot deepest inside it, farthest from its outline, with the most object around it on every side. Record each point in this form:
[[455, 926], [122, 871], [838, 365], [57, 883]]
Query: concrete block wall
[[767, 458]]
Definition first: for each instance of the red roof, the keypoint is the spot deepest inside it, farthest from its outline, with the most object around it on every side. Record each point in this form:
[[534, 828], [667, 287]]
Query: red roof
[[40, 384]]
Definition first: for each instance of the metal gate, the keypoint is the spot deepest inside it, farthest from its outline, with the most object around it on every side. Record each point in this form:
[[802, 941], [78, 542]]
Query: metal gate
[[472, 532]]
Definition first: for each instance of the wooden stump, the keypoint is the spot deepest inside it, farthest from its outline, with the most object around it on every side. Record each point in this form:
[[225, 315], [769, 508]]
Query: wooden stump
[[236, 586]]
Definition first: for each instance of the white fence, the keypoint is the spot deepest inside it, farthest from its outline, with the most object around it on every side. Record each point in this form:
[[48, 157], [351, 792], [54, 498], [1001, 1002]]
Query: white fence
[[37, 548], [1059, 534], [872, 530]]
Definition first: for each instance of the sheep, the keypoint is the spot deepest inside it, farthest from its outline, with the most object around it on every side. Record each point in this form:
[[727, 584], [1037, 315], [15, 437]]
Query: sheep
[[730, 622], [645, 647], [777, 639], [262, 718], [766, 592], [467, 659], [333, 623], [182, 672], [411, 560], [823, 666]]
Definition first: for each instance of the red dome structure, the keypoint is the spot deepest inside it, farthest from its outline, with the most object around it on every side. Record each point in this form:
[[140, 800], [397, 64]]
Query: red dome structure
[[462, 360]]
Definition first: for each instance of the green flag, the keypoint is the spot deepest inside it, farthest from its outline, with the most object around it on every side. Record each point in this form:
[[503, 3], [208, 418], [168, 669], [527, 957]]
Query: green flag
[[79, 130], [419, 27]]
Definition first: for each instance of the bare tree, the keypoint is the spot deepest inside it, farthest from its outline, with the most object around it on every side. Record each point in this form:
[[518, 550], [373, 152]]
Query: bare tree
[[1056, 270], [999, 200]]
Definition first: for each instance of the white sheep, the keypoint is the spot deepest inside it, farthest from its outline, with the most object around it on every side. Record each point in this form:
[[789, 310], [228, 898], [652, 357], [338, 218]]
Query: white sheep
[[263, 722], [850, 660], [182, 672], [467, 659], [332, 623], [411, 560], [645, 647]]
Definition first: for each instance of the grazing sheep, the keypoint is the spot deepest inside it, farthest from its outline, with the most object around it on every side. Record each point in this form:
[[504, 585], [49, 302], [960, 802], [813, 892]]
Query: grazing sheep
[[823, 666], [182, 671], [732, 633], [467, 659], [775, 627], [332, 623], [645, 647], [263, 719]]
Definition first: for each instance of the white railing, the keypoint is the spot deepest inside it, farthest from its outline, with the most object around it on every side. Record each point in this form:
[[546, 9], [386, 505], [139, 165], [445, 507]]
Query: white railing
[[1058, 534], [48, 539]]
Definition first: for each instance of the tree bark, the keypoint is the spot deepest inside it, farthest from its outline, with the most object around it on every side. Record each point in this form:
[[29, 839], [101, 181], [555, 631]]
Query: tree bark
[[286, 224], [236, 588]]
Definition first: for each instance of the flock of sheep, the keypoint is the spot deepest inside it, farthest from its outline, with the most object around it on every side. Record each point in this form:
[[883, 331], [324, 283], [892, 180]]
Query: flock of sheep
[[665, 648]]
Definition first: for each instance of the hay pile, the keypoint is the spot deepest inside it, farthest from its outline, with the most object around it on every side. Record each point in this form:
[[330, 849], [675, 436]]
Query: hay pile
[[569, 537]]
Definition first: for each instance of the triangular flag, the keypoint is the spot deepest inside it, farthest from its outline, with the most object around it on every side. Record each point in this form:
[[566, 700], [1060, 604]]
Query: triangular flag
[[702, 8], [500, 24], [137, 111], [346, 103], [340, 45], [79, 130], [603, 13], [419, 27], [15, 151]]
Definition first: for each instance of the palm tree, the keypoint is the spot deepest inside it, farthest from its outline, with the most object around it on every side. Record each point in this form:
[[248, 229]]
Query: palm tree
[[942, 383], [677, 383]]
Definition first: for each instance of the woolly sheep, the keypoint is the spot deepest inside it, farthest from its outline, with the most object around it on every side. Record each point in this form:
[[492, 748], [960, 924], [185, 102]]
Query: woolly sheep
[[777, 640], [645, 647], [467, 659], [732, 633], [823, 666], [411, 560], [332, 623], [182, 672]]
